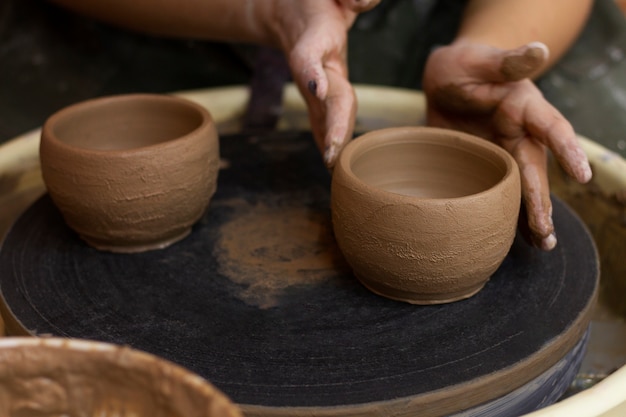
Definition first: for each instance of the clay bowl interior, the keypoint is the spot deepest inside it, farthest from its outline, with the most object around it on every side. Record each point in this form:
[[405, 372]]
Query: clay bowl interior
[[131, 172], [424, 215], [71, 377]]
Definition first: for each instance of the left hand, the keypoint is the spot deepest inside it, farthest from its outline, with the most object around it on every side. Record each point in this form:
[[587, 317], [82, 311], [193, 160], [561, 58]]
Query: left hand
[[313, 36], [487, 91]]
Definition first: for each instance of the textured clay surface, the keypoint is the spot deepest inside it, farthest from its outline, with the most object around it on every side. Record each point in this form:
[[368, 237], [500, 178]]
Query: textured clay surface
[[55, 377], [424, 215], [131, 173]]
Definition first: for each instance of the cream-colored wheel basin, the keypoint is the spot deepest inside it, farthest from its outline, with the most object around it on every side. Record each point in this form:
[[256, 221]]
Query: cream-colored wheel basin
[[601, 204]]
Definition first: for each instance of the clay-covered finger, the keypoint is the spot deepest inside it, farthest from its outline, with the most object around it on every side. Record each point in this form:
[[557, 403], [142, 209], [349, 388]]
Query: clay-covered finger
[[558, 134], [340, 107], [545, 123], [531, 157], [524, 111], [317, 120], [359, 6]]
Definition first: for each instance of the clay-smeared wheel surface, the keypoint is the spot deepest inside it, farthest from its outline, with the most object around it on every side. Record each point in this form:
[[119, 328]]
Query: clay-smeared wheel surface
[[260, 302], [424, 215], [132, 172]]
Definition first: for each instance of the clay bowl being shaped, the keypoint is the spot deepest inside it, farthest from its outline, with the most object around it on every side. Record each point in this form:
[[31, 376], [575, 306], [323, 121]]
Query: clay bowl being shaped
[[131, 173], [424, 215], [71, 377]]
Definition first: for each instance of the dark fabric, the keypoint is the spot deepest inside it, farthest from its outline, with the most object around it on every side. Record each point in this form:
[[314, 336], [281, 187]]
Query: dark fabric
[[389, 44], [50, 58]]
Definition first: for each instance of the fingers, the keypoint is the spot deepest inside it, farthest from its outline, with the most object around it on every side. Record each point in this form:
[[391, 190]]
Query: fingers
[[524, 111], [340, 109], [332, 118], [531, 158], [359, 6], [549, 126], [322, 78], [527, 124]]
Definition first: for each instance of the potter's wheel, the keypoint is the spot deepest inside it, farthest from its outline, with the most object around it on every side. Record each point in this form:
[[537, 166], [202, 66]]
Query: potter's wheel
[[259, 301]]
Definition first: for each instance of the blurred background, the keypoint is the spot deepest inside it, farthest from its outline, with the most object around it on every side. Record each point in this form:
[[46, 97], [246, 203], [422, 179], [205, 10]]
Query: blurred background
[[50, 58]]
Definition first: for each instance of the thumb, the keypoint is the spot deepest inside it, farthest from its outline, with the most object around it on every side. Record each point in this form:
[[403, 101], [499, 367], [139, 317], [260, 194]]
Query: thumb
[[523, 62], [505, 65]]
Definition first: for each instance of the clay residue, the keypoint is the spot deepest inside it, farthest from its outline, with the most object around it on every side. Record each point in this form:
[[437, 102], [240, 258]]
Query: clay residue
[[269, 247], [517, 67]]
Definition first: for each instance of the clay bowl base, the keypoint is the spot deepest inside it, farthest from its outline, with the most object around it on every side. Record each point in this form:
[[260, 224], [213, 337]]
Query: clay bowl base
[[419, 298], [161, 244]]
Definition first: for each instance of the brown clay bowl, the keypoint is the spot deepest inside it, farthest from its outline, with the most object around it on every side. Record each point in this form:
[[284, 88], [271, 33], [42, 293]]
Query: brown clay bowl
[[424, 215], [71, 377], [131, 173]]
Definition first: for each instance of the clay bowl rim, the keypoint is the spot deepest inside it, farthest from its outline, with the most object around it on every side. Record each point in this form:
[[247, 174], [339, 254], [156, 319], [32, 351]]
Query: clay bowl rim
[[351, 152], [48, 129], [139, 358]]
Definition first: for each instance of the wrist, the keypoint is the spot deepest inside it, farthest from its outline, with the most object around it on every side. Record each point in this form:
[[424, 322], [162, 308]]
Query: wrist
[[262, 19]]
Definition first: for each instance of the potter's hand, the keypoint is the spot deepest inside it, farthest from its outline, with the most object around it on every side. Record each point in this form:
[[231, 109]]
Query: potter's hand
[[487, 92], [313, 35]]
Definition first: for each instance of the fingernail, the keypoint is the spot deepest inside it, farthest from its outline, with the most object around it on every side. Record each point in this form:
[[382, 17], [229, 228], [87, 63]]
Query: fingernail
[[549, 242], [586, 172], [312, 87], [329, 156], [541, 46]]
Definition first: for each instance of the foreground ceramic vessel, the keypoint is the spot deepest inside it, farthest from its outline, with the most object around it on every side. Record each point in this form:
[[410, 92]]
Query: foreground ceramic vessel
[[424, 215], [133, 172], [64, 377]]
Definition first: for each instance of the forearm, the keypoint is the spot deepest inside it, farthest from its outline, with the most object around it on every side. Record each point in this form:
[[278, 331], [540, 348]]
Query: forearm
[[246, 21], [509, 24]]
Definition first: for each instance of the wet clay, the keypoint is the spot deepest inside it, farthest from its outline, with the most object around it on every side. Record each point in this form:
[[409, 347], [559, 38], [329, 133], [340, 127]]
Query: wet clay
[[53, 377], [131, 173], [517, 67], [424, 215], [268, 250]]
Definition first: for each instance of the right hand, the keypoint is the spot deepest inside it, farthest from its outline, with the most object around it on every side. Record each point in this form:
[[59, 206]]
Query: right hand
[[486, 91]]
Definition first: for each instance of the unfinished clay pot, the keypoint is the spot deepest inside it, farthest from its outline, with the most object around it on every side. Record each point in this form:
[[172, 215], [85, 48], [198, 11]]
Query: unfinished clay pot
[[132, 172], [65, 377], [424, 215]]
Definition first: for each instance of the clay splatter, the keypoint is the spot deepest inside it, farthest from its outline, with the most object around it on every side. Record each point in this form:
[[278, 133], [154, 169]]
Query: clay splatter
[[268, 248]]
